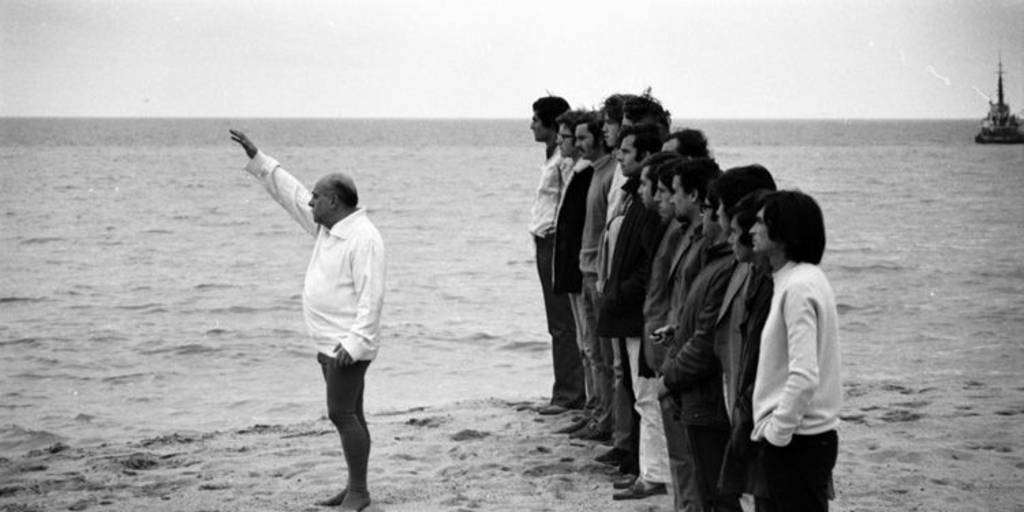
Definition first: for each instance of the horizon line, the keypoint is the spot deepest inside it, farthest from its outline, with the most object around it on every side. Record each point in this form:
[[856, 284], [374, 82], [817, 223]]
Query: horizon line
[[405, 118]]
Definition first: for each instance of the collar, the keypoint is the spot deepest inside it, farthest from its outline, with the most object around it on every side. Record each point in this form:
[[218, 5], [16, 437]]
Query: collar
[[632, 185], [600, 163], [343, 228]]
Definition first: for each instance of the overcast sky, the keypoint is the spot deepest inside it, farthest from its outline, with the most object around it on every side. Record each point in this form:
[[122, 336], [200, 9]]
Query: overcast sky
[[491, 59]]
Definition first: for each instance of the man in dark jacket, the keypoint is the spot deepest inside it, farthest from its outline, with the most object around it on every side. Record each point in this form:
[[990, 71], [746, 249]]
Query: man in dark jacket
[[686, 187], [621, 317], [570, 218], [691, 372]]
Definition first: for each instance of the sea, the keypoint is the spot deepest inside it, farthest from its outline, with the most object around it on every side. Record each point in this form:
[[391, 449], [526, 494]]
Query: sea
[[148, 285]]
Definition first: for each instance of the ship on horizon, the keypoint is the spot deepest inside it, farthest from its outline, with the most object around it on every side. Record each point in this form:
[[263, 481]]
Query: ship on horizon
[[1000, 126]]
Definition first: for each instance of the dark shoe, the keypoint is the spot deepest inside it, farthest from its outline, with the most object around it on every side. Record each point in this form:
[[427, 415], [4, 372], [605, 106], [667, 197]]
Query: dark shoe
[[625, 482], [613, 456], [574, 426], [640, 490], [335, 501], [595, 435], [551, 410], [587, 430]]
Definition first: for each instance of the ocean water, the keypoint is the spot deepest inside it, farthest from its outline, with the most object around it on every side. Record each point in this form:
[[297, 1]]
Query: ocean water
[[149, 285]]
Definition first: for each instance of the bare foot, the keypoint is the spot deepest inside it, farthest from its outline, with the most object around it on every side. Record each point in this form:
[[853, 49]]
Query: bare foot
[[335, 501], [356, 501]]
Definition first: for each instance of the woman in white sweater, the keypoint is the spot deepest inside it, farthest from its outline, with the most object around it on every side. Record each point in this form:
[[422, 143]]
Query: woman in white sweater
[[797, 392]]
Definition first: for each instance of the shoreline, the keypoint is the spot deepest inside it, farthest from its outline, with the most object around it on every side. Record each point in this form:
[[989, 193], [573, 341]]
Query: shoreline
[[957, 446]]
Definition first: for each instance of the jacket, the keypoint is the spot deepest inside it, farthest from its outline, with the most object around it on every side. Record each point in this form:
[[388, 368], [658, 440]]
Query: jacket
[[691, 370], [622, 304], [569, 222]]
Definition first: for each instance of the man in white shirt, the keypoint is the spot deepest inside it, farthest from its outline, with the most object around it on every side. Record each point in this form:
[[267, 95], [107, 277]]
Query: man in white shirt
[[341, 301], [568, 391]]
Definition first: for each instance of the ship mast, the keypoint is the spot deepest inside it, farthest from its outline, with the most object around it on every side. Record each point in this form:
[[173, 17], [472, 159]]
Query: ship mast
[[1001, 81]]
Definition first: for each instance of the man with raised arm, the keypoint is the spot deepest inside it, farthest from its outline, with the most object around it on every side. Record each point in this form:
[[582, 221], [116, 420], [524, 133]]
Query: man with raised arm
[[341, 301]]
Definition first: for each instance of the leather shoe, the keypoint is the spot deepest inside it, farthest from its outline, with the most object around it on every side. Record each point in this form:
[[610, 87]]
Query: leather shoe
[[551, 410], [594, 435], [612, 456], [574, 426], [640, 490], [625, 482]]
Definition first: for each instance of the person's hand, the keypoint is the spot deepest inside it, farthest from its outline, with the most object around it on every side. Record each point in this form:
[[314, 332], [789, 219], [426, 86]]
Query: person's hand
[[247, 145], [661, 388], [342, 359], [663, 335]]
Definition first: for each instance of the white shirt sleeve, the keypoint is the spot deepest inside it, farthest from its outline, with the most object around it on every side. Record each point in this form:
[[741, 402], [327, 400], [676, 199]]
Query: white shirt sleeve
[[368, 269], [292, 195], [800, 309]]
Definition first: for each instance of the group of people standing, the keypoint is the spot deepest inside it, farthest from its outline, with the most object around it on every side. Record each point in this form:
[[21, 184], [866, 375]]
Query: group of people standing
[[692, 329]]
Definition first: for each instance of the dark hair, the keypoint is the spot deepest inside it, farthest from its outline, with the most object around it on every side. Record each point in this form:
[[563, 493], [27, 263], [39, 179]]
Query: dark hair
[[612, 108], [794, 219], [646, 108], [658, 162], [645, 139], [548, 108], [692, 143], [744, 212], [569, 118], [595, 125], [737, 182], [697, 174]]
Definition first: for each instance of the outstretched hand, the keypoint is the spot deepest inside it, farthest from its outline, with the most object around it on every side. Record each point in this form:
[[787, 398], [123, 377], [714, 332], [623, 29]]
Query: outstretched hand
[[247, 145]]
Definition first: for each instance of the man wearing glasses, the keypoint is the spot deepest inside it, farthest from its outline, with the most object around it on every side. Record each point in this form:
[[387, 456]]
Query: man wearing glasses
[[691, 375]]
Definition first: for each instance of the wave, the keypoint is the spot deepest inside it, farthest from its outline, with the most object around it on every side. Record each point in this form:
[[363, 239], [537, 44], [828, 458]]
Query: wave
[[20, 341], [152, 307], [524, 346], [875, 268], [184, 350], [122, 379], [11, 300], [214, 286], [15, 438], [41, 240]]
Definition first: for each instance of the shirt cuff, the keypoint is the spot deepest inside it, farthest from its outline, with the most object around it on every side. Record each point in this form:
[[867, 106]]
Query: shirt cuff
[[775, 437], [261, 164]]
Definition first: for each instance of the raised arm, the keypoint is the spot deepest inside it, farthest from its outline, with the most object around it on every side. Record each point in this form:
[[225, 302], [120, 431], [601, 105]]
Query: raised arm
[[292, 195]]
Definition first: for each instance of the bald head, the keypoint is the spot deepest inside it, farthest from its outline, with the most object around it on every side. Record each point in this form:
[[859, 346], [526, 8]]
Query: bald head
[[333, 198], [341, 186]]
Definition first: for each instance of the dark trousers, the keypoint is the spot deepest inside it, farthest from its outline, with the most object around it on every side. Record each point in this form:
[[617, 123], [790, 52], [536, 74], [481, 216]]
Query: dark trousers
[[569, 389], [799, 476], [708, 448], [626, 435], [345, 409]]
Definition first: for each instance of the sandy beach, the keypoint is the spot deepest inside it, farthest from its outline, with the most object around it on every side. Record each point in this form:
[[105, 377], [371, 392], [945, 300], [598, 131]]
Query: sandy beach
[[954, 446]]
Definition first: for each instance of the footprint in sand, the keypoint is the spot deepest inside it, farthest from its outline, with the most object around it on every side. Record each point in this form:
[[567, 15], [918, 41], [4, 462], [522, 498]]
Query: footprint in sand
[[431, 422], [468, 434]]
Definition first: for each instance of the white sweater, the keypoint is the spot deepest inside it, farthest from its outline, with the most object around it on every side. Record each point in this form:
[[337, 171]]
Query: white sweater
[[798, 388]]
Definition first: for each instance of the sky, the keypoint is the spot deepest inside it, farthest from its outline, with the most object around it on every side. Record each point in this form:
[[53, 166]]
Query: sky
[[703, 59]]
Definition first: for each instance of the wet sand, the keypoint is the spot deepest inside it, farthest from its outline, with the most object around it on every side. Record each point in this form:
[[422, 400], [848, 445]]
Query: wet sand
[[956, 446]]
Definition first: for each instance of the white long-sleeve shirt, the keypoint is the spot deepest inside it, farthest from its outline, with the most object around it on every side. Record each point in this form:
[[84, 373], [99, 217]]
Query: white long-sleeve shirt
[[344, 290], [549, 194], [798, 388]]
